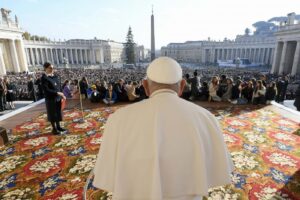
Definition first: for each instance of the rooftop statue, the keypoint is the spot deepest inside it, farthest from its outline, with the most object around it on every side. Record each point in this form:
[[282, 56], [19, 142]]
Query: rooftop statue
[[5, 14]]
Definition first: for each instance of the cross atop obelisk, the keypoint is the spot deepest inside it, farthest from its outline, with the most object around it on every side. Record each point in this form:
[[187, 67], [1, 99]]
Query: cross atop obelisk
[[152, 37]]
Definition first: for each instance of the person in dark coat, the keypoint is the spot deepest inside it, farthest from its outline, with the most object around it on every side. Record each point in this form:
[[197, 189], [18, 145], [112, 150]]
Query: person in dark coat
[[2, 95], [10, 96], [53, 97], [271, 92], [84, 86], [297, 99], [31, 90], [121, 91], [40, 93]]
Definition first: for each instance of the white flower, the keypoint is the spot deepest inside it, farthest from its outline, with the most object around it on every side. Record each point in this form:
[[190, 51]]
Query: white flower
[[282, 160], [68, 196], [46, 165], [49, 183], [18, 194], [69, 140], [94, 114], [77, 179], [31, 126], [83, 125], [268, 193], [221, 193], [254, 138], [243, 161], [84, 164], [96, 140], [284, 122], [236, 123], [11, 163], [255, 175], [283, 136], [36, 141]]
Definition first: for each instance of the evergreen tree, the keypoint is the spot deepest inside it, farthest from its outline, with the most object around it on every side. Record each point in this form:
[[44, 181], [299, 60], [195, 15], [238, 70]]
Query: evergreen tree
[[247, 31], [129, 48]]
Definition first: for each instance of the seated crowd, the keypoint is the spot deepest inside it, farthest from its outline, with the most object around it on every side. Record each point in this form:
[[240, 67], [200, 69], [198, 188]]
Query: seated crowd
[[238, 86]]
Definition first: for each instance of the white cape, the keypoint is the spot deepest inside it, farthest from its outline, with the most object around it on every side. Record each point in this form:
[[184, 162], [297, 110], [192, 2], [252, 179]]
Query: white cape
[[162, 148]]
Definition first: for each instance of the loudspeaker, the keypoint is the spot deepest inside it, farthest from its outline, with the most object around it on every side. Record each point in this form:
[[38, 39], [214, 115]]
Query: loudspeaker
[[3, 135]]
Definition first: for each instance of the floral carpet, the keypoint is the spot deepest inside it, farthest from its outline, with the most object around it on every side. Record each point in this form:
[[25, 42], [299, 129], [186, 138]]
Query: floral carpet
[[264, 146]]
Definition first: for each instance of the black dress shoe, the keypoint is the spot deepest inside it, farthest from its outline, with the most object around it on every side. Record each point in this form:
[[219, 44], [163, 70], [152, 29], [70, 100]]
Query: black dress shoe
[[61, 129], [55, 132]]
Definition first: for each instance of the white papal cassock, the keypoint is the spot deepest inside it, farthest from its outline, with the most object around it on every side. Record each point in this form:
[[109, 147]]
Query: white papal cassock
[[162, 148]]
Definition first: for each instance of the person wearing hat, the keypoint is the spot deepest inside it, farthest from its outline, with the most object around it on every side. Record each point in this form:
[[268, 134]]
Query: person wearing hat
[[53, 96], [174, 149]]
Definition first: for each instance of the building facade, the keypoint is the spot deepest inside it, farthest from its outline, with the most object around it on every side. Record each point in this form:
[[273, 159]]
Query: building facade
[[17, 54], [287, 52], [280, 49], [12, 48], [258, 49]]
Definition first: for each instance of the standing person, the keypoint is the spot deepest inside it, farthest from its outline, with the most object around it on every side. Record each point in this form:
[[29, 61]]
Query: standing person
[[148, 163], [195, 86], [297, 99], [53, 97], [31, 90], [40, 93], [10, 96], [74, 89], [284, 88], [83, 86], [271, 92], [2, 95]]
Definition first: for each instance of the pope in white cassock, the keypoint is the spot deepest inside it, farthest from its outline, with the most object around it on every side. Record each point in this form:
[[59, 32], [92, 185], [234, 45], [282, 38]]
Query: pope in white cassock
[[164, 147]]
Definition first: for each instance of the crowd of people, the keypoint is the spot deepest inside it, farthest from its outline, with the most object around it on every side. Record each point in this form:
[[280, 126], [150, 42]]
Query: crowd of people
[[236, 86]]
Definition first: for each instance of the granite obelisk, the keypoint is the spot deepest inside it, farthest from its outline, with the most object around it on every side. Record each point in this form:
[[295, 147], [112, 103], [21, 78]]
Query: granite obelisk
[[152, 37]]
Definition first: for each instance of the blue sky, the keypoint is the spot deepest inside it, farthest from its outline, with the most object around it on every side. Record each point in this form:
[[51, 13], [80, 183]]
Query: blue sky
[[176, 20]]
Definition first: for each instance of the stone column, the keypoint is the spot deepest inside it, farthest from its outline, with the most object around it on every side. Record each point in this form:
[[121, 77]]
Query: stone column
[[47, 55], [61, 55], [2, 64], [93, 56], [37, 56], [282, 60], [81, 56], [296, 59], [76, 56], [71, 53], [86, 57], [57, 58], [52, 58], [14, 55], [42, 56], [27, 56], [267, 56], [23, 58], [274, 64], [32, 57], [101, 55]]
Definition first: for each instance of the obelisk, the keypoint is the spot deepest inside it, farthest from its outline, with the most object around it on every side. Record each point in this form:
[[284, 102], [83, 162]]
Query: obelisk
[[152, 37]]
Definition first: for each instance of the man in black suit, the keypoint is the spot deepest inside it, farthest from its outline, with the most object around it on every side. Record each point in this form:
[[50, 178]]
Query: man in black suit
[[2, 94], [53, 97], [297, 100], [40, 93], [31, 90]]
